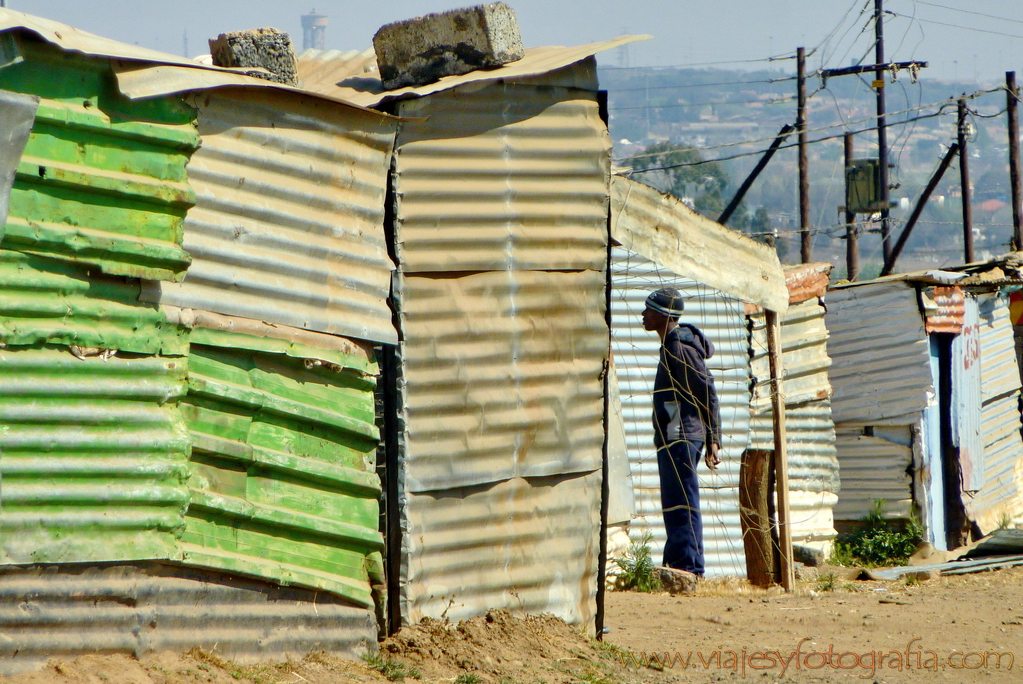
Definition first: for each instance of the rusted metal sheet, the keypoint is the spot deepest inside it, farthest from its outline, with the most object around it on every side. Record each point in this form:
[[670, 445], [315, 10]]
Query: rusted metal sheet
[[502, 177], [68, 610], [873, 468], [636, 353], [503, 376], [283, 480], [354, 76], [880, 354], [99, 183], [967, 379], [93, 457], [1000, 499], [944, 308], [807, 281], [526, 545], [289, 222], [660, 227]]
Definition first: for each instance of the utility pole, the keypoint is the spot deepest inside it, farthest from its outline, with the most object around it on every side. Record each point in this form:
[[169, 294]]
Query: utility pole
[[1012, 102], [964, 178], [804, 174], [882, 127], [852, 244]]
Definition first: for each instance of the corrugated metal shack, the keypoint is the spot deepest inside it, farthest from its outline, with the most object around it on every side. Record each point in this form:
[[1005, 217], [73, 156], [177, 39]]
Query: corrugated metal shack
[[188, 441], [810, 430], [926, 399], [660, 242]]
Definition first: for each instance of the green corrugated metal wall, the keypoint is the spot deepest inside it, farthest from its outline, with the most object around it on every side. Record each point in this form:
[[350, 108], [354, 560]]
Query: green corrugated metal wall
[[102, 180], [283, 467], [214, 449]]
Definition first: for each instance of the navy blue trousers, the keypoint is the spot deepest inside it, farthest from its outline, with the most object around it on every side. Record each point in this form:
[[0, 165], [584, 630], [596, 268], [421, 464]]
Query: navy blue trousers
[[680, 501]]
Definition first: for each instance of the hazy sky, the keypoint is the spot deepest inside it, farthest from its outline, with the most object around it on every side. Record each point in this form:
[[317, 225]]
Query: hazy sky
[[685, 32]]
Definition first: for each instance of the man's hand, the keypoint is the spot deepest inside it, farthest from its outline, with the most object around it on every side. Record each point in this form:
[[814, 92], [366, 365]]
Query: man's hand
[[712, 459]]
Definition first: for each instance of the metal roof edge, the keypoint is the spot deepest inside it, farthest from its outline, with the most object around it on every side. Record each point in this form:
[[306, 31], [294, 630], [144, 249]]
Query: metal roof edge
[[663, 229], [960, 274], [537, 61], [172, 73]]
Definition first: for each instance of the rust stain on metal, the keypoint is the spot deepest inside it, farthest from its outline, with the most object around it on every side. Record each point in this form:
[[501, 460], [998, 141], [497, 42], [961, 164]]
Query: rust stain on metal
[[944, 309], [807, 281]]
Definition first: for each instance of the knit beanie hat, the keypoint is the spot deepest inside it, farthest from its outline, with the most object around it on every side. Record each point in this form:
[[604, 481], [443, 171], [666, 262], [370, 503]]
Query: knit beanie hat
[[667, 301]]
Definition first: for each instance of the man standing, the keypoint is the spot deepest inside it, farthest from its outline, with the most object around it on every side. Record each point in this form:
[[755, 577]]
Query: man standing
[[686, 417]]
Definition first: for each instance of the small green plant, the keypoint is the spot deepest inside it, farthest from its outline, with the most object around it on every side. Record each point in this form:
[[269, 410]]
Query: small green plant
[[638, 569], [911, 580], [826, 582], [1004, 521], [468, 678], [877, 543], [392, 669]]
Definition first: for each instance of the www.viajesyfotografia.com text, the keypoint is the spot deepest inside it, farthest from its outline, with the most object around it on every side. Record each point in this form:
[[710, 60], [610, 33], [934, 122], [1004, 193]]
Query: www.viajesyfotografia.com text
[[912, 657]]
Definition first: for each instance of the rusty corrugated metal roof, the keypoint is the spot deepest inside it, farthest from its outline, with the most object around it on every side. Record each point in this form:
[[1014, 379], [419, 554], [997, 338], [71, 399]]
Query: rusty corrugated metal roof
[[661, 228], [288, 226], [944, 307], [806, 281]]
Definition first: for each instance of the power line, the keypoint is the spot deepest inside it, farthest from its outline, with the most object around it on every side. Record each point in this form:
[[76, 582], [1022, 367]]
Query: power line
[[958, 26], [704, 85], [779, 58], [979, 14], [706, 104]]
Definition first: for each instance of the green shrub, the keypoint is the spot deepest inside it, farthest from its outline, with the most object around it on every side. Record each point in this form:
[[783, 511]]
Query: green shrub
[[638, 569], [878, 542]]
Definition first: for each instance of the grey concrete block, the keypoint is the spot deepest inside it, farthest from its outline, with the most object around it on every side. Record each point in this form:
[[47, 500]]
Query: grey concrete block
[[419, 51], [265, 48]]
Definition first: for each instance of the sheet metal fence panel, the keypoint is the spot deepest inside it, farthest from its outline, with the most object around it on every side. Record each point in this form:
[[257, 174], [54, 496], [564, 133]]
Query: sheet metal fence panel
[[289, 221], [636, 352], [967, 427], [873, 468], [526, 545], [283, 459], [502, 376], [72, 610], [102, 180], [880, 354], [93, 457], [1001, 497], [502, 177]]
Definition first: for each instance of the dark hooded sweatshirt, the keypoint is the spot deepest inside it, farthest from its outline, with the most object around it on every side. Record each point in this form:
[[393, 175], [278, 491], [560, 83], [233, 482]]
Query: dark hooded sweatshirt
[[684, 381]]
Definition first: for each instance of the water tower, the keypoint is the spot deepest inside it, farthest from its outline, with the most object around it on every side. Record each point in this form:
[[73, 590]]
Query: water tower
[[314, 31]]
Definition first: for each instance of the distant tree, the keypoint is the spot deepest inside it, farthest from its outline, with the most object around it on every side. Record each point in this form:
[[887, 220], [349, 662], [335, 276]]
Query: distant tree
[[760, 224], [681, 171]]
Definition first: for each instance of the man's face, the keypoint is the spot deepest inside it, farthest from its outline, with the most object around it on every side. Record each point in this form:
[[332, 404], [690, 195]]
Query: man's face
[[653, 321]]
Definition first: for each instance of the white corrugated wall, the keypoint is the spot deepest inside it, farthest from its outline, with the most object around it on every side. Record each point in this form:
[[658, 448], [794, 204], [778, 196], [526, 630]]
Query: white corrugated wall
[[636, 351]]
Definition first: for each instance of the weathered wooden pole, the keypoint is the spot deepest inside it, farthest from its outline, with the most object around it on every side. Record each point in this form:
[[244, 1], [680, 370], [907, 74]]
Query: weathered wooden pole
[[964, 177], [1012, 109], [852, 238], [781, 467], [806, 247], [882, 128]]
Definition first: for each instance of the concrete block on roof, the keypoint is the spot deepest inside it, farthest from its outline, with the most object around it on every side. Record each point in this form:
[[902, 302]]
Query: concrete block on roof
[[262, 48], [419, 51]]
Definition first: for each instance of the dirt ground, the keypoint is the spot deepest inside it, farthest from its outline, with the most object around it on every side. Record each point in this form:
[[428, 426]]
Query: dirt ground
[[955, 629]]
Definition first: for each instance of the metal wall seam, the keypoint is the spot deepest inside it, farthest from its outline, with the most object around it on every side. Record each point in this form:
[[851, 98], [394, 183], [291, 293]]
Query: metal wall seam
[[873, 468], [1000, 500], [502, 177], [283, 484], [102, 181], [526, 545], [880, 354], [52, 301], [636, 351], [94, 457], [288, 225], [71, 610], [503, 376]]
